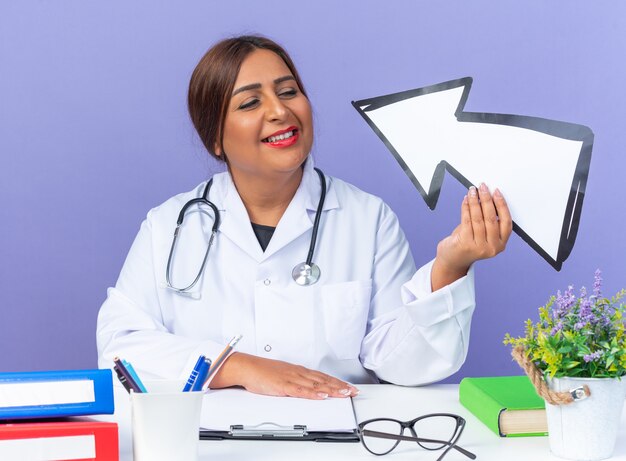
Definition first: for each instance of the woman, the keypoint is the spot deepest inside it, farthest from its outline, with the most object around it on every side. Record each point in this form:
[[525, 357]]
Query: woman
[[370, 316]]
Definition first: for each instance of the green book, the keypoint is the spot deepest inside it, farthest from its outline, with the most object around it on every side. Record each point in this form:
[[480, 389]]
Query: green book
[[508, 405]]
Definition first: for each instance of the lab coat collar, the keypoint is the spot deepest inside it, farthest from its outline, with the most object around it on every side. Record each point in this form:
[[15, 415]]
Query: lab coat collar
[[311, 188], [297, 219]]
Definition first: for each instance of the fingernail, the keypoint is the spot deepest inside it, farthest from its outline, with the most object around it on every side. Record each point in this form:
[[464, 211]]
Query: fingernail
[[472, 191], [483, 188], [497, 193], [322, 395], [344, 391], [353, 390]]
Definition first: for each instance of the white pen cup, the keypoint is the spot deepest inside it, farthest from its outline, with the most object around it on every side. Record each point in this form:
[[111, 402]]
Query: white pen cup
[[166, 422]]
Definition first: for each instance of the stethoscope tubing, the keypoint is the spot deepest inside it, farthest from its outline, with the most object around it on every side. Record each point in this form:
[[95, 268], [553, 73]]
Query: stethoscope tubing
[[318, 214], [181, 217], [204, 200]]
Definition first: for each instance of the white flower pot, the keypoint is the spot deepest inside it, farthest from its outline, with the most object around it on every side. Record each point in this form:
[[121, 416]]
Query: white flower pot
[[586, 429]]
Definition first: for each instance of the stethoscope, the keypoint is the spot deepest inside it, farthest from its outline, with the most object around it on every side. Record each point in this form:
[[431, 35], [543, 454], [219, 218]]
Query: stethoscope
[[304, 274]]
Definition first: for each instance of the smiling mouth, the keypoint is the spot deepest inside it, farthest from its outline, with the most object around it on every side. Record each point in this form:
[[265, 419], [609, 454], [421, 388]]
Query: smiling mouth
[[280, 137]]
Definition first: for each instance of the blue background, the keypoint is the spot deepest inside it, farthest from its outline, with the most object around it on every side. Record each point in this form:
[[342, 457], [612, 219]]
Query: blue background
[[94, 132]]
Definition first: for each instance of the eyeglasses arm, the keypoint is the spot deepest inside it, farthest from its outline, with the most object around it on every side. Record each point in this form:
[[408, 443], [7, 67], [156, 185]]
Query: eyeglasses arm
[[385, 435]]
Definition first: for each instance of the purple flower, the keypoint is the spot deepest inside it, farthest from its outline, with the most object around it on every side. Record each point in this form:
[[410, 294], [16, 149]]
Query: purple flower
[[585, 314], [604, 316], [597, 284], [592, 357], [558, 327], [589, 314], [564, 302]]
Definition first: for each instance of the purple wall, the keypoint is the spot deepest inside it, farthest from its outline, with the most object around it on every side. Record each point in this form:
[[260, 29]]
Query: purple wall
[[94, 132]]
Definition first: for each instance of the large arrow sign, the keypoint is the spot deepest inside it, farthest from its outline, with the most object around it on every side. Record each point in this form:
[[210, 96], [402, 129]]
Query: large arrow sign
[[541, 166]]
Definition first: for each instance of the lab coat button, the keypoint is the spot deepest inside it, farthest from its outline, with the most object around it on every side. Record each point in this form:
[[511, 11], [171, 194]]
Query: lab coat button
[[267, 281], [267, 348]]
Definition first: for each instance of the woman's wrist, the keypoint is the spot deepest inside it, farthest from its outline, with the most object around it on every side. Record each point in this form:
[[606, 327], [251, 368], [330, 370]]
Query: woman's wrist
[[230, 373], [443, 273]]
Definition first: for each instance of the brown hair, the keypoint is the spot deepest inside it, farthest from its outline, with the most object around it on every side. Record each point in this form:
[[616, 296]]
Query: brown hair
[[212, 83]]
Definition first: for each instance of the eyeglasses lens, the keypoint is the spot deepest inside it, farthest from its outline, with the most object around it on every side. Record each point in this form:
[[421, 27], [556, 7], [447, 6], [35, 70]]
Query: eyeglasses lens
[[381, 446], [435, 428]]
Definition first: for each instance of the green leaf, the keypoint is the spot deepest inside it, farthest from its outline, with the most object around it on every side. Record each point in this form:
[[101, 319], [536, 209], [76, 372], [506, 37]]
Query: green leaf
[[610, 361]]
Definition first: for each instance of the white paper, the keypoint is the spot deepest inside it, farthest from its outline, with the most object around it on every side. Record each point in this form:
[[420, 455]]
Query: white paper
[[226, 407], [19, 394], [49, 448]]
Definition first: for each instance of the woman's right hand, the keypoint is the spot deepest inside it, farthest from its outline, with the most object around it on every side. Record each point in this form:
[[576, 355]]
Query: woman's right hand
[[274, 377]]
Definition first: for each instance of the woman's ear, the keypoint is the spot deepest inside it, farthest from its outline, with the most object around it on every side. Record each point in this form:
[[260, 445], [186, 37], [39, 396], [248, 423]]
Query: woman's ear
[[217, 146], [220, 154]]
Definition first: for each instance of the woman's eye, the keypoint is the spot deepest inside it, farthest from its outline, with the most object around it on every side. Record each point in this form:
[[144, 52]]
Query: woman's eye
[[249, 104], [290, 93]]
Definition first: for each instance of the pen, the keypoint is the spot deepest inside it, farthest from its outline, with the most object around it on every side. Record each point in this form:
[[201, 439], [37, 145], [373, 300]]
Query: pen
[[194, 374], [119, 366], [220, 358], [122, 379], [203, 372], [134, 375]]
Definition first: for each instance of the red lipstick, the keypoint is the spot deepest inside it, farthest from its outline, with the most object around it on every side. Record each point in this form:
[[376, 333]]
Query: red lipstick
[[282, 138]]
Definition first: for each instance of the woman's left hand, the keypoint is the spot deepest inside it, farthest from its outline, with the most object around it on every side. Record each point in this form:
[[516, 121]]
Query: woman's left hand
[[485, 228]]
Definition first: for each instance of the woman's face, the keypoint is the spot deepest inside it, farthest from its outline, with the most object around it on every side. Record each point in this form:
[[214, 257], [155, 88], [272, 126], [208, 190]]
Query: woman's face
[[268, 130]]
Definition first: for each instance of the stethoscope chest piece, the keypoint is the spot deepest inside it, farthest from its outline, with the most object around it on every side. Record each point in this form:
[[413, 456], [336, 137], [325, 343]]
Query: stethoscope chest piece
[[306, 274]]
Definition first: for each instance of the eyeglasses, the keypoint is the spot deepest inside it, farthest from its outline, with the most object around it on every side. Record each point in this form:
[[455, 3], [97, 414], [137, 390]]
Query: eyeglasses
[[432, 432]]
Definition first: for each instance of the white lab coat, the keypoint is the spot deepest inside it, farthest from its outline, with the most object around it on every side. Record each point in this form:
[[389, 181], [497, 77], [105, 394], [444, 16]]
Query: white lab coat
[[370, 316]]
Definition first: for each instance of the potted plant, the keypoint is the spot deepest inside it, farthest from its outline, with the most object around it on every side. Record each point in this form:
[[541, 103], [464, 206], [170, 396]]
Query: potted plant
[[577, 349]]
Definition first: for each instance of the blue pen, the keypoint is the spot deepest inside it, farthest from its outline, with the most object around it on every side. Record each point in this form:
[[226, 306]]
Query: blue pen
[[134, 375], [202, 375], [194, 374]]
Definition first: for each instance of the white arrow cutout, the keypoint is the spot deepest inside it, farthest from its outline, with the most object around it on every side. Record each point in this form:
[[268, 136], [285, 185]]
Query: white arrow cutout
[[540, 174]]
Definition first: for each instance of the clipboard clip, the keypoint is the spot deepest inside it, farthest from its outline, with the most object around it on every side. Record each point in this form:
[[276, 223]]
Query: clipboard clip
[[268, 429]]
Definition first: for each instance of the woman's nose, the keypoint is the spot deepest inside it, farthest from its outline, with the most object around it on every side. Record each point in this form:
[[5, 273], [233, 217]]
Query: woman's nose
[[275, 109]]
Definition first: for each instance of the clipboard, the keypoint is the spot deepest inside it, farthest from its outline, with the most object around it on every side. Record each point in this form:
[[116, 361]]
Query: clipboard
[[236, 414]]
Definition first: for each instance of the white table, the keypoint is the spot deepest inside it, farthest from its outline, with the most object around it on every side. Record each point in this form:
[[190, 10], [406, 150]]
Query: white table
[[402, 403]]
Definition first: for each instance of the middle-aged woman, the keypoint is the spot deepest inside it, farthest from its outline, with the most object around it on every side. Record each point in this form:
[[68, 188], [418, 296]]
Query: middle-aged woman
[[369, 317]]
